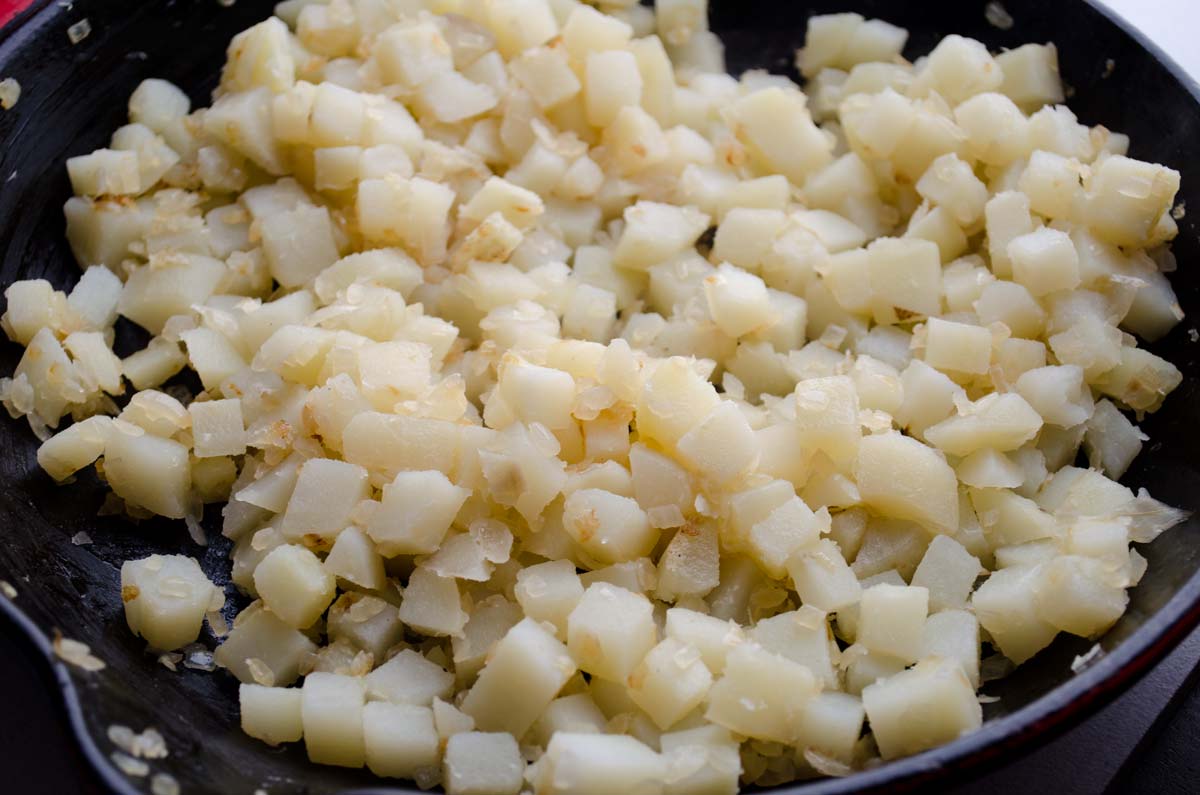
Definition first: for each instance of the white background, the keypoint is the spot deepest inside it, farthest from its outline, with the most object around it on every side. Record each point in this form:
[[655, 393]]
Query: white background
[[1173, 24]]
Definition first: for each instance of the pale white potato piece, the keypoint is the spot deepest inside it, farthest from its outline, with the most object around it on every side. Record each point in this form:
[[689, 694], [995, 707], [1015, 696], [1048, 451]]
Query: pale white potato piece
[[903, 478], [415, 513], [482, 763], [589, 764], [928, 705], [166, 598], [294, 585], [271, 714], [759, 692], [331, 709], [610, 631], [524, 673], [398, 739]]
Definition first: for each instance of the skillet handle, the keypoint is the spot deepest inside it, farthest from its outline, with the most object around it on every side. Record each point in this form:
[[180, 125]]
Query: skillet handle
[[10, 8]]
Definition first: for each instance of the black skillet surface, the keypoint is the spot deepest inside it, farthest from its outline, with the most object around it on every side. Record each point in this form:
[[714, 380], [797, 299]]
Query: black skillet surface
[[74, 96]]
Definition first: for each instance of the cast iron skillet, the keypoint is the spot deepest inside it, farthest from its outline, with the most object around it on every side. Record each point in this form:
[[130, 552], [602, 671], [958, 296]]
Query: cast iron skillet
[[74, 96]]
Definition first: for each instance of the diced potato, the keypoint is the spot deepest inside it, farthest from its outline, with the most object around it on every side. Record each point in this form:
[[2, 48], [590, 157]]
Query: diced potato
[[147, 471], [409, 678], [1005, 605], [1000, 421], [722, 447], [590, 764], [479, 763], [822, 578], [399, 740], [75, 447], [415, 513], [271, 714], [903, 478], [669, 682], [737, 300], [1044, 261], [759, 693], [332, 714], [957, 347], [258, 634], [325, 495], [948, 572], [777, 127], [610, 631], [524, 673], [654, 232], [1031, 75], [294, 585], [891, 618], [166, 598], [1074, 595], [931, 704], [432, 604], [713, 637]]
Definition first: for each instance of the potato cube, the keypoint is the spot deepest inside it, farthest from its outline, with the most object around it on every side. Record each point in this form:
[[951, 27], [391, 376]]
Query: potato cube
[[294, 585], [904, 479], [105, 172], [153, 294], [1001, 421], [1126, 198], [610, 631], [760, 693], [827, 417], [524, 672], [549, 592], [166, 598], [271, 714], [777, 128], [802, 636], [147, 471], [669, 682], [1006, 605], [1075, 594], [997, 131], [722, 448], [950, 183], [948, 571], [737, 300], [958, 69], [931, 704], [598, 764], [409, 678], [655, 232], [609, 527], [1058, 393], [449, 97], [432, 604], [713, 637], [355, 559], [957, 347], [258, 634], [690, 565], [1044, 261], [74, 447], [399, 740], [786, 530], [332, 713], [480, 763], [611, 81], [822, 578], [953, 635], [1009, 518], [891, 618], [1013, 305], [1052, 184], [217, 428], [1006, 218], [904, 277], [701, 761], [326, 493], [1031, 75], [416, 511]]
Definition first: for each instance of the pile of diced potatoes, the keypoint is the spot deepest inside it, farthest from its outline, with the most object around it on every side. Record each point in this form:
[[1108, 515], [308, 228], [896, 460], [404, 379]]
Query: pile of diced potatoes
[[590, 420]]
